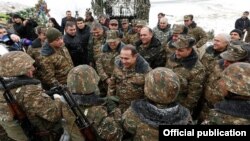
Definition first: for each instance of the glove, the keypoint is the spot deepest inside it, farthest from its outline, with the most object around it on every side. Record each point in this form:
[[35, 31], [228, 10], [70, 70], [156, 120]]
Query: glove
[[112, 102], [61, 98]]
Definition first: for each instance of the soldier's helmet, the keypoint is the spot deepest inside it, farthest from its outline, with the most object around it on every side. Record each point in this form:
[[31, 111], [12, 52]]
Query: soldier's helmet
[[237, 78], [161, 85], [15, 63], [234, 52], [83, 79]]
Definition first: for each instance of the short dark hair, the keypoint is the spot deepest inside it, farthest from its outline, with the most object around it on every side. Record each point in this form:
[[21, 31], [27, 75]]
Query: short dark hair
[[78, 19], [130, 47], [246, 12], [69, 24]]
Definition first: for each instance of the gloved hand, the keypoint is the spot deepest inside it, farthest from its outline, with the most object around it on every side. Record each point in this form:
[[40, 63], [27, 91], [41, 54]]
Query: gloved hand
[[111, 102], [61, 98]]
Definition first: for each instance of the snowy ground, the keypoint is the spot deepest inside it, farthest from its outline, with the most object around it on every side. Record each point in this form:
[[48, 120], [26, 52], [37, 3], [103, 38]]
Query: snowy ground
[[219, 15]]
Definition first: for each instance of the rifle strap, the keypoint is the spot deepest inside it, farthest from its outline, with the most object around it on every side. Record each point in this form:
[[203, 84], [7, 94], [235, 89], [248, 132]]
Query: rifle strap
[[15, 82]]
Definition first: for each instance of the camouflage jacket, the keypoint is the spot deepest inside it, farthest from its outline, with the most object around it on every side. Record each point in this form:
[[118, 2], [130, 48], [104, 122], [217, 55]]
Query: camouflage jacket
[[131, 38], [209, 59], [142, 119], [212, 90], [234, 112], [105, 63], [34, 51], [94, 48], [128, 85], [56, 64], [198, 33], [163, 34], [192, 75], [43, 112], [154, 53]]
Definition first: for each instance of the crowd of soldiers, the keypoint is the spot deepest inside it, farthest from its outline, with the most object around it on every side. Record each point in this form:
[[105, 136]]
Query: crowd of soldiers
[[126, 77]]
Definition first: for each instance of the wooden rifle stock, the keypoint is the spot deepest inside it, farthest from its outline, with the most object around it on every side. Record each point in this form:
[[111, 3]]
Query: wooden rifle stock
[[19, 114]]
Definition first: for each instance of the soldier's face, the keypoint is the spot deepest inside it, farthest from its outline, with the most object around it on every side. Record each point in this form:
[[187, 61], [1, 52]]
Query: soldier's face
[[113, 45], [128, 60], [97, 33], [183, 52], [145, 36], [57, 43], [187, 22], [219, 43]]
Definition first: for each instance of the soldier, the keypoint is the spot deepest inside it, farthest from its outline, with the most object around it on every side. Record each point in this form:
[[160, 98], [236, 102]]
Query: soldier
[[41, 110], [127, 80], [163, 31], [150, 48], [236, 52], [96, 41], [195, 31], [55, 59], [144, 116], [134, 35], [35, 49], [235, 86], [177, 30], [105, 63], [185, 63], [83, 81], [212, 53]]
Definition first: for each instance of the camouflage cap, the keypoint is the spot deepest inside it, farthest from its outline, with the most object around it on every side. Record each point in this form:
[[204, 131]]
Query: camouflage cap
[[125, 21], [52, 34], [178, 29], [234, 53], [237, 78], [184, 41], [15, 63], [113, 21], [112, 36], [141, 23], [187, 17], [161, 85], [82, 79]]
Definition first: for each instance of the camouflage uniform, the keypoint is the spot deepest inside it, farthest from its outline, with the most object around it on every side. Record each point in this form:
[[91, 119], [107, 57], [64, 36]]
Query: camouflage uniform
[[82, 82], [42, 112], [197, 32], [105, 63], [128, 84], [143, 118], [235, 108], [163, 34], [56, 63], [34, 51], [191, 72], [154, 53], [212, 93], [134, 35], [94, 48]]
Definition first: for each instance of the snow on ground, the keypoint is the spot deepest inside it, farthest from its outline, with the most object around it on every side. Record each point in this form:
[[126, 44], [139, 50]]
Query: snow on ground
[[219, 15]]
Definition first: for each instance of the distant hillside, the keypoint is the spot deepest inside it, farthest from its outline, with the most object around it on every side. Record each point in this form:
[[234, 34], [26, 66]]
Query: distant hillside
[[11, 7]]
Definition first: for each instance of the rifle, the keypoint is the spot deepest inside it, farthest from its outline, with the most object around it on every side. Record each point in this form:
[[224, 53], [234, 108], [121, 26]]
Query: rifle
[[19, 114], [81, 121]]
